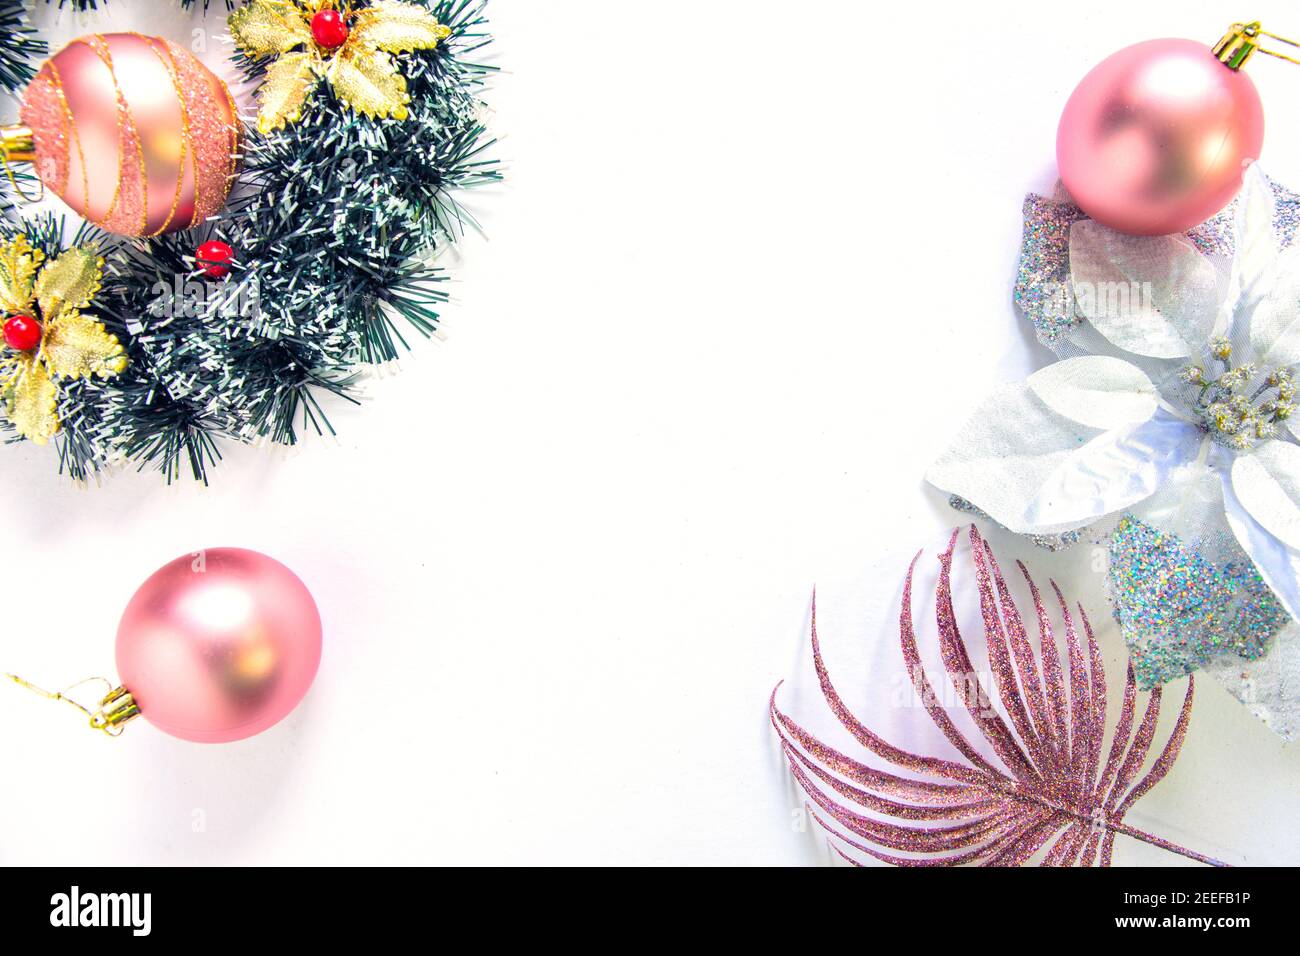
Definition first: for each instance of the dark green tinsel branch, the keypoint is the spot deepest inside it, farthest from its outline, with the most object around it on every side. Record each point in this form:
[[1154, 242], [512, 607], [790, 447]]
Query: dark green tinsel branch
[[20, 48], [82, 5], [335, 224]]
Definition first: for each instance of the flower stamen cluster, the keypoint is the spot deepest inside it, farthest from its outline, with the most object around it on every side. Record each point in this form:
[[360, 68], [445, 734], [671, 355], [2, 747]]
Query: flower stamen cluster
[[1235, 403]]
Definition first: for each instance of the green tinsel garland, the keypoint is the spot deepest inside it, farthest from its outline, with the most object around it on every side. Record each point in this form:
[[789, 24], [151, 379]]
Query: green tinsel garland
[[334, 222], [19, 46]]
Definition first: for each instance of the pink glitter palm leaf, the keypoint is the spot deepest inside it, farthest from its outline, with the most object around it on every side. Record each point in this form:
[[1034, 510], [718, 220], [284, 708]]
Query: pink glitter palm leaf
[[1046, 785]]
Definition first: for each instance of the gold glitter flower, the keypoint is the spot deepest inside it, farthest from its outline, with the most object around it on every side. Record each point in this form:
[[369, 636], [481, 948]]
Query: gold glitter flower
[[70, 345], [350, 46]]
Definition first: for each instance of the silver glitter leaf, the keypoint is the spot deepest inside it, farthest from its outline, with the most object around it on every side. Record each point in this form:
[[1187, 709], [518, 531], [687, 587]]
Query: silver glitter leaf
[[1043, 291], [1046, 785], [1048, 542], [1177, 610]]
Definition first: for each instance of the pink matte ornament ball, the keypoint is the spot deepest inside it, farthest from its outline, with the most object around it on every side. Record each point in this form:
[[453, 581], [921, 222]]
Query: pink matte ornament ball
[[219, 645], [1156, 138]]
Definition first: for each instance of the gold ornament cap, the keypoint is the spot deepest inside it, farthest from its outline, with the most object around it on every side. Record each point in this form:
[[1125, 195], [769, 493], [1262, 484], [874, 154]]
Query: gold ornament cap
[[1241, 41], [115, 709]]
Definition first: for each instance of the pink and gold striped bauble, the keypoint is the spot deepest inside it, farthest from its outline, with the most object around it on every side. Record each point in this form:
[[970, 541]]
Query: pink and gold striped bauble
[[134, 133]]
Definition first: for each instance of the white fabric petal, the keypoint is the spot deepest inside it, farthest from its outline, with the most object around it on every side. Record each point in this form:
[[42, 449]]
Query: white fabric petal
[[1267, 483], [1096, 390], [1149, 295], [1255, 257], [1037, 472], [1277, 564], [1115, 470], [1253, 262], [1275, 324]]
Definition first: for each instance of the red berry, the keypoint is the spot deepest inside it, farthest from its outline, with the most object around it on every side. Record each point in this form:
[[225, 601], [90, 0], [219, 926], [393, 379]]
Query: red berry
[[330, 29], [214, 256], [22, 333]]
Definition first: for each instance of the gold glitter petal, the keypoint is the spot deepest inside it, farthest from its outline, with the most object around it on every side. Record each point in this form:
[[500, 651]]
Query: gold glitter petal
[[288, 82], [367, 80], [18, 265], [32, 402], [397, 27], [69, 282], [268, 27], [76, 346]]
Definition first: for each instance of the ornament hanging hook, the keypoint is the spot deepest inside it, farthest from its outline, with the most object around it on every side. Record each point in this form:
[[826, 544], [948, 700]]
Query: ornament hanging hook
[[115, 708], [17, 145], [1242, 40]]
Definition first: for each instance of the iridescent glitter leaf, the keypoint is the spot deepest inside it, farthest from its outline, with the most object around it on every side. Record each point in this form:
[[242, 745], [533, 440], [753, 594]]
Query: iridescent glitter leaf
[[1177, 610], [1217, 235], [1044, 788], [1043, 289]]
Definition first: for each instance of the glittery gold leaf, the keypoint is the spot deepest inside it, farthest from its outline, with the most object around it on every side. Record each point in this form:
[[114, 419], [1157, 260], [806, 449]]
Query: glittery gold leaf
[[268, 27], [397, 27], [69, 282], [18, 265], [76, 346], [31, 401], [288, 81], [367, 80]]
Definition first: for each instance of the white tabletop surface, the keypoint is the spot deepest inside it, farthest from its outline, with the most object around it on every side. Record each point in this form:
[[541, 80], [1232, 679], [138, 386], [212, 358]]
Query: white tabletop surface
[[750, 271]]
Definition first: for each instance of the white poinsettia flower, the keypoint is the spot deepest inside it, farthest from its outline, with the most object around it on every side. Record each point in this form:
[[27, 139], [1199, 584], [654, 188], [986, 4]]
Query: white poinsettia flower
[[1185, 364]]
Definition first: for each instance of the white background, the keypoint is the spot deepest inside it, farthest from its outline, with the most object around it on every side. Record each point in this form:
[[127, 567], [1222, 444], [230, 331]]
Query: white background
[[752, 268]]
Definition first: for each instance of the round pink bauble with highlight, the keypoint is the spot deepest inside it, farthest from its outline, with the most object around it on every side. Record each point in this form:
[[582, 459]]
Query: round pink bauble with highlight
[[219, 645], [1156, 138], [134, 133]]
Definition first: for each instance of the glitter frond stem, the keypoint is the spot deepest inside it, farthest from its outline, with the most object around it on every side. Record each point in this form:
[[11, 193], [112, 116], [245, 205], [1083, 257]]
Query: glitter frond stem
[[1136, 834]]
